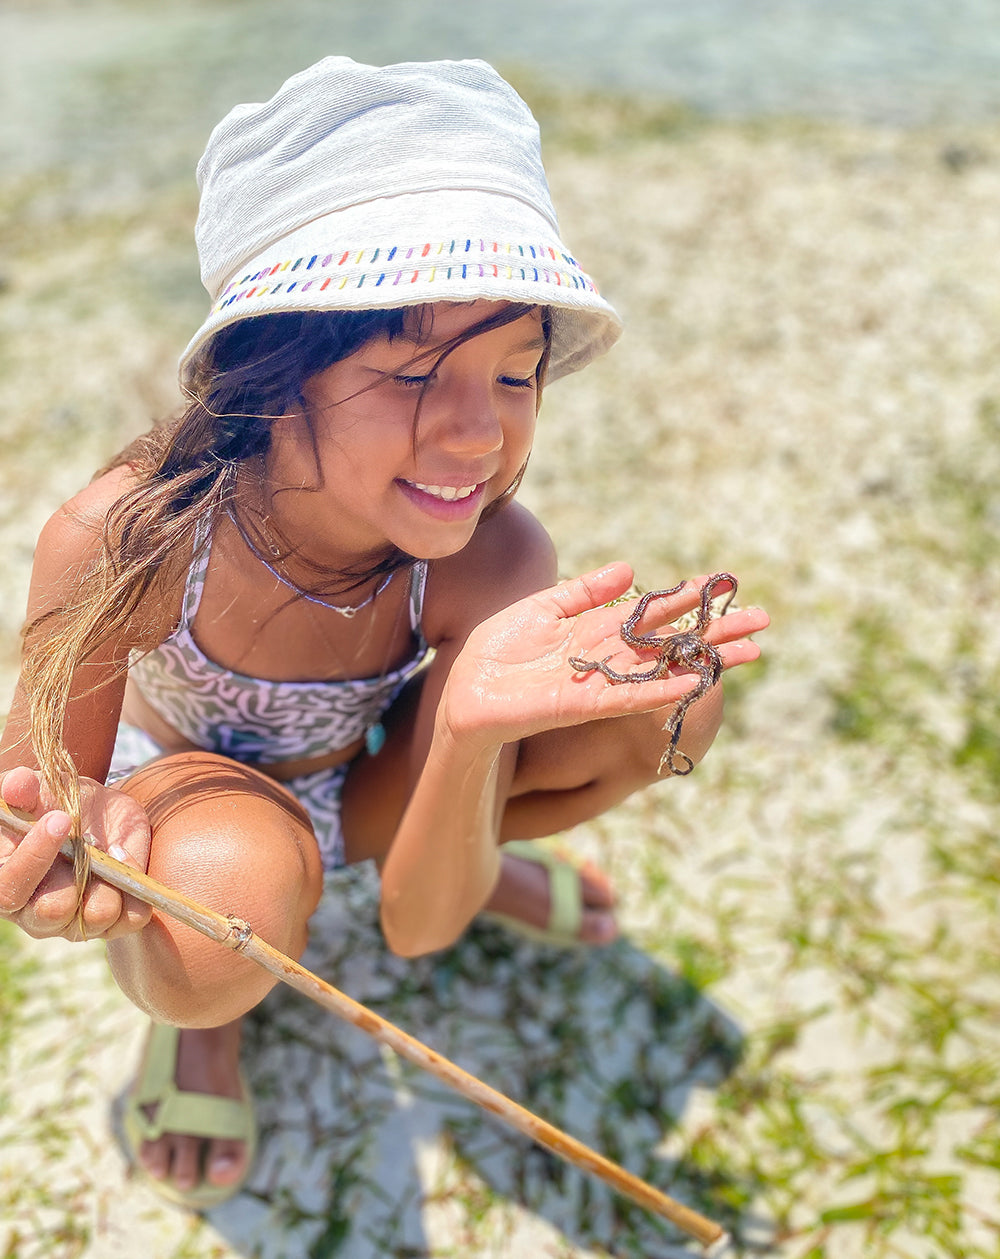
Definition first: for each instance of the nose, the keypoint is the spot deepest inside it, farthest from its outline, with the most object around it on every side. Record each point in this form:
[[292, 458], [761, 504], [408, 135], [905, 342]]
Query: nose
[[463, 421]]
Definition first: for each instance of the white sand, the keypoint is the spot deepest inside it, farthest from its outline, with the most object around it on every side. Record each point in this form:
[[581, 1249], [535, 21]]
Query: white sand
[[804, 396]]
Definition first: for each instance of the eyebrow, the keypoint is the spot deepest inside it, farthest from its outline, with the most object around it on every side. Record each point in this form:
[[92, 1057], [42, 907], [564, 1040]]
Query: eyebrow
[[427, 351], [534, 343]]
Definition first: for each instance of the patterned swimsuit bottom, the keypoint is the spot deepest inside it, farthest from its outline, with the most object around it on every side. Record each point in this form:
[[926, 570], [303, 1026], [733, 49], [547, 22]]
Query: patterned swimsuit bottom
[[318, 793], [260, 722]]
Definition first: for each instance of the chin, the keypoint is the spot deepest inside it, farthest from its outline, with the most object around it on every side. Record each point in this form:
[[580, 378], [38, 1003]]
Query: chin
[[440, 547]]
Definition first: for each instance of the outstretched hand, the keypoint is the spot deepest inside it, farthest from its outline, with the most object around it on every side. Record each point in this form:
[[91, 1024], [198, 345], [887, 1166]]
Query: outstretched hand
[[513, 677]]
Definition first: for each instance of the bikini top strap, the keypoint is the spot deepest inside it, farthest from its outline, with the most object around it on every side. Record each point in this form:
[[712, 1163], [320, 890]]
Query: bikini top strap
[[195, 582], [418, 582]]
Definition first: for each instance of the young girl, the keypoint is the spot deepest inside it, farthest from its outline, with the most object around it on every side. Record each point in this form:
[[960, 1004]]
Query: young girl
[[305, 623]]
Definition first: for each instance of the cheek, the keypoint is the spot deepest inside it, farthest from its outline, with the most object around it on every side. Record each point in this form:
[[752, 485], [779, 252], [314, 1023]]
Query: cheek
[[361, 436], [520, 418], [524, 431]]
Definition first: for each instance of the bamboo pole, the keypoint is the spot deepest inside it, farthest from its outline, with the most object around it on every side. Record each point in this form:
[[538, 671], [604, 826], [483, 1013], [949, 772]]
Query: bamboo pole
[[236, 934]]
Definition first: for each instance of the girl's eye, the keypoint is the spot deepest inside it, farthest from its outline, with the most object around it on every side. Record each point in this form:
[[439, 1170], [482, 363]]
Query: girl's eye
[[510, 382]]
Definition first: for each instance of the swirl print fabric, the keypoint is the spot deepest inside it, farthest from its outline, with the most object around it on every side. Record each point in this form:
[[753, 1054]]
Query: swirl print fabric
[[253, 720], [257, 721], [318, 793]]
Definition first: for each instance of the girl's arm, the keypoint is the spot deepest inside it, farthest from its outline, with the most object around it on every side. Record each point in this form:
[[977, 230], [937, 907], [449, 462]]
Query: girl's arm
[[37, 890], [498, 678], [444, 860]]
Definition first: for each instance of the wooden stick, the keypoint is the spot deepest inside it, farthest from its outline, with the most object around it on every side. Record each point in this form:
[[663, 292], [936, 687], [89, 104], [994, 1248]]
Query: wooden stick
[[235, 934]]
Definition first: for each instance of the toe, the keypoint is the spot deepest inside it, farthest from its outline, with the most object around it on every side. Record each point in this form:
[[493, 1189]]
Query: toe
[[155, 1158], [226, 1162], [598, 926], [595, 887], [186, 1163]]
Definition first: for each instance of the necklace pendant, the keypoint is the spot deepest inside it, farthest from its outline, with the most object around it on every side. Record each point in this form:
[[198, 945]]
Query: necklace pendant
[[375, 738]]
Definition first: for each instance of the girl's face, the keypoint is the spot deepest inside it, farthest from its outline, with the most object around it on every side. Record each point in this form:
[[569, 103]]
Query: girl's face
[[411, 446]]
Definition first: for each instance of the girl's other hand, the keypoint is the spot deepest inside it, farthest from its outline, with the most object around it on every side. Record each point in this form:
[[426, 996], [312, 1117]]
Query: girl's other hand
[[37, 888], [513, 678]]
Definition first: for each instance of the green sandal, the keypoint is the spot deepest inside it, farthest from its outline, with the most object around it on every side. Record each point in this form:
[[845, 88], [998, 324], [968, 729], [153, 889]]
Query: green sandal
[[565, 899], [192, 1114]]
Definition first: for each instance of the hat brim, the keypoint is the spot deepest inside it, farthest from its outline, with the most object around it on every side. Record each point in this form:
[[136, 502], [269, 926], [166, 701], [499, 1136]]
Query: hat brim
[[418, 248]]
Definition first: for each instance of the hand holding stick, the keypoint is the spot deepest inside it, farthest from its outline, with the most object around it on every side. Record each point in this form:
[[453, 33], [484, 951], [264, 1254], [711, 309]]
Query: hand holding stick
[[238, 935]]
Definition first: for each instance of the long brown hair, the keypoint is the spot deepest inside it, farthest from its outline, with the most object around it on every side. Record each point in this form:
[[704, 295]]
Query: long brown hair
[[185, 470]]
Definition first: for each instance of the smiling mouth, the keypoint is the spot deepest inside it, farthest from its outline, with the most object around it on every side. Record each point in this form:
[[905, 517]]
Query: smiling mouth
[[447, 493]]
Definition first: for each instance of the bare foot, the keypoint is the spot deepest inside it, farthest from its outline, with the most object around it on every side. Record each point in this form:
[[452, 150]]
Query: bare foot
[[523, 892], [207, 1062]]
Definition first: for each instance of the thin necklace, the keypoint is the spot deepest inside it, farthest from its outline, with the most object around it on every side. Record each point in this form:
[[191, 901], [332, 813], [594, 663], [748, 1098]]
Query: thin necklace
[[347, 610], [375, 730]]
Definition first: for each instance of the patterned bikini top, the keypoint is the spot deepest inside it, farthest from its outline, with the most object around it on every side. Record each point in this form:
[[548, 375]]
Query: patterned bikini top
[[254, 720]]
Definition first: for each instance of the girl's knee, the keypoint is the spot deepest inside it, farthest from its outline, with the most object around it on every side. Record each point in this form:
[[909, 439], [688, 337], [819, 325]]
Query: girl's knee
[[601, 757], [216, 823], [568, 776], [230, 838]]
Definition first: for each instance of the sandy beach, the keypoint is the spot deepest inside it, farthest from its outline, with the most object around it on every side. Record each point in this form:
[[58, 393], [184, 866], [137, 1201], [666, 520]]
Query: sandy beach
[[799, 1032]]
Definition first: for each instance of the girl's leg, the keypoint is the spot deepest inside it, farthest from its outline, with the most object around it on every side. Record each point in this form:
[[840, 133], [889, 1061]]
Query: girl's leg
[[563, 777], [234, 840]]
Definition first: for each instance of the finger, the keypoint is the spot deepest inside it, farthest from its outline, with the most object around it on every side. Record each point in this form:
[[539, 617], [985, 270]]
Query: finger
[[101, 909], [741, 652], [134, 916], [129, 843], [133, 913], [661, 615], [667, 606], [644, 695], [591, 590], [20, 789], [663, 609], [25, 868], [120, 827], [610, 698], [736, 625]]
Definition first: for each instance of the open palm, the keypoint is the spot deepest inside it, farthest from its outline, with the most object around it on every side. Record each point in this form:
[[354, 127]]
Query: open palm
[[513, 677]]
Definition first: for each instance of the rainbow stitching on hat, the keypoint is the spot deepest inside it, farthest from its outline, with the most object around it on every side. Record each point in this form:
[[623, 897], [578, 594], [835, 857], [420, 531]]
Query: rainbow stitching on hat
[[532, 255]]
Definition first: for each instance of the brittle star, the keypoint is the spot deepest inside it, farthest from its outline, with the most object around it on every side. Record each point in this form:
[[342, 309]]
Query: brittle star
[[686, 647]]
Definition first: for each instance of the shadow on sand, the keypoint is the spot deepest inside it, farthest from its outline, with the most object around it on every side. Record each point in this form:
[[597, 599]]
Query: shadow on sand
[[364, 1157]]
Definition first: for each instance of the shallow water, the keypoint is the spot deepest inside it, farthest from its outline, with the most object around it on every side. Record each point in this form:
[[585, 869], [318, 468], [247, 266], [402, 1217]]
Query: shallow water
[[80, 79]]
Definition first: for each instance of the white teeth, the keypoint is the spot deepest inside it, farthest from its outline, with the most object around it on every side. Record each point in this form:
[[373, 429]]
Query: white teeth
[[447, 492]]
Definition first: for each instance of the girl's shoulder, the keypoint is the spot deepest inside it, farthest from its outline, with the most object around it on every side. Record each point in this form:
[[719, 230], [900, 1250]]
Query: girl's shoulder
[[74, 531], [509, 557], [71, 543]]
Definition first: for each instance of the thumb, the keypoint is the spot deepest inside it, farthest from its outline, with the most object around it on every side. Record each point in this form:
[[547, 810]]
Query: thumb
[[591, 590]]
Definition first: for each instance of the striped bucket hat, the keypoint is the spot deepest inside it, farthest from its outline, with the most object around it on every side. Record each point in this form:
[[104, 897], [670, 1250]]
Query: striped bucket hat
[[364, 187]]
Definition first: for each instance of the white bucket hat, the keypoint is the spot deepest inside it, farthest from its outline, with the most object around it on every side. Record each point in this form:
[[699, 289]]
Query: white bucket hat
[[365, 187]]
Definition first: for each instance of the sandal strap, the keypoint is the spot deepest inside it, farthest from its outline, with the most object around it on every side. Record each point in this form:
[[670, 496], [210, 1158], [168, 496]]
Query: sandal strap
[[565, 891], [566, 899], [159, 1064], [194, 1114]]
